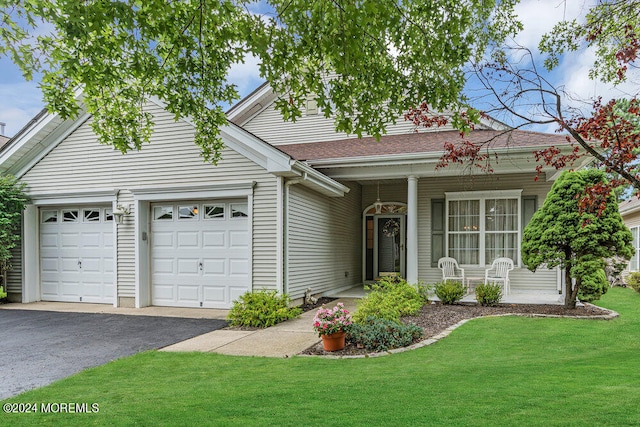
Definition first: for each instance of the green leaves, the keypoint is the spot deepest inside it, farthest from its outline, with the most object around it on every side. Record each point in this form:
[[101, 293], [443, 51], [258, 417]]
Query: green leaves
[[12, 203], [366, 62], [610, 27], [561, 234]]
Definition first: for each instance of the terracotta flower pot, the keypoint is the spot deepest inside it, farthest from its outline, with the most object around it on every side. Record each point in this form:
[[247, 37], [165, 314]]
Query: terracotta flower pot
[[334, 342]]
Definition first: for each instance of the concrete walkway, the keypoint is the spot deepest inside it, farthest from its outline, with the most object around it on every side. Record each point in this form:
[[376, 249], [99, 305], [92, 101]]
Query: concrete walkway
[[282, 340]]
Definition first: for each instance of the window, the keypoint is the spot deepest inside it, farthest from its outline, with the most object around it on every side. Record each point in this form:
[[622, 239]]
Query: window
[[188, 212], [108, 215], [483, 226], [162, 213], [91, 215], [239, 210], [213, 212], [70, 216], [49, 216]]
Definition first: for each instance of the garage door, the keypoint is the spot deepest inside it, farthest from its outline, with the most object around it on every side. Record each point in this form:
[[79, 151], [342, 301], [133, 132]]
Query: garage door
[[76, 254], [199, 253]]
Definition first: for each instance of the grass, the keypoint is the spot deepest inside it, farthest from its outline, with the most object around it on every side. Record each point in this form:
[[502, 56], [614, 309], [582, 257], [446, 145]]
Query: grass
[[491, 371]]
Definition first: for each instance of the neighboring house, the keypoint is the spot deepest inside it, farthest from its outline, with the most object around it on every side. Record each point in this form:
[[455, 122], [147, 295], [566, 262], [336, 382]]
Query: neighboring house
[[291, 207], [630, 212]]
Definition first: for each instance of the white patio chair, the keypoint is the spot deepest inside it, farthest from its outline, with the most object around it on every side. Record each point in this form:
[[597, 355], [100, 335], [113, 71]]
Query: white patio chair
[[499, 273], [451, 270]]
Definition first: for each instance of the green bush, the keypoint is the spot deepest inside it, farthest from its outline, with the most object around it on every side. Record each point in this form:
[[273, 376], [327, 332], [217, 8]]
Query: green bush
[[593, 286], [450, 292], [423, 291], [389, 300], [3, 294], [489, 295], [376, 334], [633, 280], [261, 309]]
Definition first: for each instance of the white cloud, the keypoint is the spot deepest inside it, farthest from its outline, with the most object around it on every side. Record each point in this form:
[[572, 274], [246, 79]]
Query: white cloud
[[19, 103], [246, 76], [539, 16]]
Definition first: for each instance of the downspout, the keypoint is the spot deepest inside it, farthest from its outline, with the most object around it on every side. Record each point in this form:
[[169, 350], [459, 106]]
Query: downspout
[[285, 271]]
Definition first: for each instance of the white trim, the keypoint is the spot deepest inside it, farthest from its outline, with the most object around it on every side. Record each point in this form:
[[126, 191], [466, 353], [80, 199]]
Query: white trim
[[498, 194], [249, 101], [280, 234], [31, 255], [213, 191], [318, 181], [52, 145], [481, 196], [114, 203], [412, 230], [75, 198]]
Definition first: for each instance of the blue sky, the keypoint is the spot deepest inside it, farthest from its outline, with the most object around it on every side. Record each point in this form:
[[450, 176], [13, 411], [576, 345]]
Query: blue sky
[[21, 100]]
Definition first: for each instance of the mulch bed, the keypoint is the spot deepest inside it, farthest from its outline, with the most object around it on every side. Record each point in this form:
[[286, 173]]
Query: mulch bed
[[435, 318]]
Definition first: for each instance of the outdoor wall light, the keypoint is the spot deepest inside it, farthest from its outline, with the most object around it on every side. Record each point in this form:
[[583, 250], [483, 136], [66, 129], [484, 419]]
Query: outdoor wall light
[[120, 211]]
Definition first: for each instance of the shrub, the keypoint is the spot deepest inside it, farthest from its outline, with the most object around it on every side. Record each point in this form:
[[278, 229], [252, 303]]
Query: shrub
[[488, 295], [593, 286], [389, 300], [633, 280], [376, 334], [450, 292], [3, 294], [423, 291], [261, 309]]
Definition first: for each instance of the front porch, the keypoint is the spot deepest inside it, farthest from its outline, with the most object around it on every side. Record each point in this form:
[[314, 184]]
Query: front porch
[[515, 297]]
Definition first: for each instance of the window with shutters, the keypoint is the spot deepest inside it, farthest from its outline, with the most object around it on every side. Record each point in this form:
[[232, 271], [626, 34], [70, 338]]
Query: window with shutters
[[483, 226]]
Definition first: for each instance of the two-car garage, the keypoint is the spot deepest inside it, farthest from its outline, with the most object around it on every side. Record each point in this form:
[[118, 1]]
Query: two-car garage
[[199, 253]]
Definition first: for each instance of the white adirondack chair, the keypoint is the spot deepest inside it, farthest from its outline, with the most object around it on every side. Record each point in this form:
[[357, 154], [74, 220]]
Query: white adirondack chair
[[451, 270], [499, 273]]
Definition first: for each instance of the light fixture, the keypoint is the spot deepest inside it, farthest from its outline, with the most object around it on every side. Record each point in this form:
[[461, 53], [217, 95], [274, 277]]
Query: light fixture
[[120, 211], [378, 203]]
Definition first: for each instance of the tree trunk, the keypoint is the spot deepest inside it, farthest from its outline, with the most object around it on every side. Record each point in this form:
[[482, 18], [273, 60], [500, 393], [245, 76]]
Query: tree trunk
[[571, 292]]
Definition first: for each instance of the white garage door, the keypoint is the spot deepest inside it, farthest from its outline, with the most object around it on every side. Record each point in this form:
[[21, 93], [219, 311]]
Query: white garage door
[[199, 253], [76, 254]]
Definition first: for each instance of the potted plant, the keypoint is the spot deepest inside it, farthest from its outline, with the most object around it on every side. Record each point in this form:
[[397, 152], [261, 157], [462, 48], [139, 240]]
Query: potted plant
[[330, 324]]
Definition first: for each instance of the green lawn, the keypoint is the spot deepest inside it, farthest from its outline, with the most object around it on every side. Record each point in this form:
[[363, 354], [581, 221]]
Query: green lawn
[[492, 371]]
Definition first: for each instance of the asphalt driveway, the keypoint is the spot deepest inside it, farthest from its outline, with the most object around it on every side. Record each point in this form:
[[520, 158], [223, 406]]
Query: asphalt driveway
[[39, 347]]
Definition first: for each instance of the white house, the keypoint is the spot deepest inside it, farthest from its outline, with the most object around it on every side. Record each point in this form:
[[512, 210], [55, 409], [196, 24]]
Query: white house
[[291, 206]]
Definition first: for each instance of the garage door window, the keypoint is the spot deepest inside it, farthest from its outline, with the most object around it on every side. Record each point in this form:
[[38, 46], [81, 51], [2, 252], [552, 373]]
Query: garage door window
[[108, 215], [239, 210], [49, 216], [163, 213], [70, 216], [188, 212], [213, 212], [91, 215]]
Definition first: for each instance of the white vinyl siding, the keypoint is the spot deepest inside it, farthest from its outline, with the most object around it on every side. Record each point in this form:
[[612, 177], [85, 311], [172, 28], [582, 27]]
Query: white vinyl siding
[[270, 126], [521, 278], [324, 241], [80, 163]]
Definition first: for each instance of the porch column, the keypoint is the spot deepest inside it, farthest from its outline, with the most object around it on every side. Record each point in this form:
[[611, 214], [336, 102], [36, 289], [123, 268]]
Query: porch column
[[412, 229]]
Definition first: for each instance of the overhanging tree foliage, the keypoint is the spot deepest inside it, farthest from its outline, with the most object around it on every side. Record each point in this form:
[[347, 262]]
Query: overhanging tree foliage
[[384, 56], [576, 239], [12, 203], [510, 87]]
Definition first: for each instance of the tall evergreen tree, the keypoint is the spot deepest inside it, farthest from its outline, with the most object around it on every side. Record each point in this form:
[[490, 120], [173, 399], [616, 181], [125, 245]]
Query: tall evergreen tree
[[577, 238]]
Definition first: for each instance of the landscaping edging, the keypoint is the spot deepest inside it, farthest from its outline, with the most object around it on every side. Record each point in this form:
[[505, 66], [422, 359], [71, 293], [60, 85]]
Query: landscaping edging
[[432, 340]]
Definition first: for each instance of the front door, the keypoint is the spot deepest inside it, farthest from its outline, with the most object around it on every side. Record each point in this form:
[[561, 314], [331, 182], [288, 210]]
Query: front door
[[389, 248]]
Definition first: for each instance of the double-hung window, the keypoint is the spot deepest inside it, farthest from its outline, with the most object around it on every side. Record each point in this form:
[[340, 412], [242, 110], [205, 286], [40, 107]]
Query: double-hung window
[[483, 226]]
